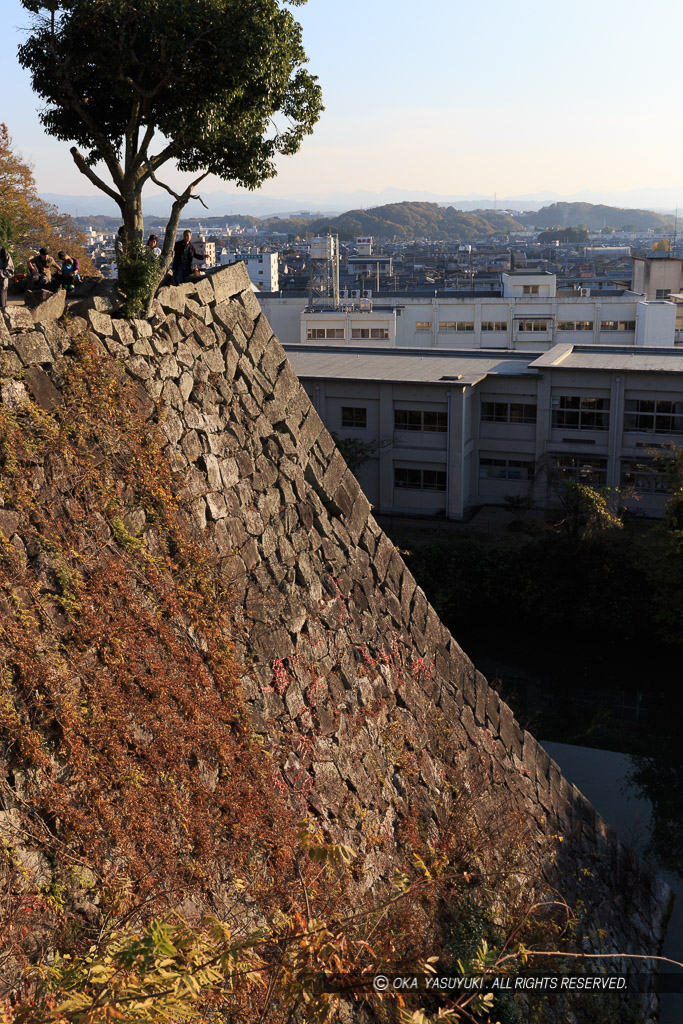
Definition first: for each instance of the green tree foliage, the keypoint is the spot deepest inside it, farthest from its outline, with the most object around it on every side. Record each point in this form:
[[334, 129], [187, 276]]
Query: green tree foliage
[[217, 87], [589, 512], [578, 234]]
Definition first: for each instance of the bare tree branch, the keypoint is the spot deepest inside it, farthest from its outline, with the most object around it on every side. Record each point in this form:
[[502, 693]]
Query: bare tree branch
[[83, 167]]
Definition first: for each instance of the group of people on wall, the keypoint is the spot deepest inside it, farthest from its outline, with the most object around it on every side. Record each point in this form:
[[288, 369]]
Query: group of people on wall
[[43, 271], [184, 253], [64, 272]]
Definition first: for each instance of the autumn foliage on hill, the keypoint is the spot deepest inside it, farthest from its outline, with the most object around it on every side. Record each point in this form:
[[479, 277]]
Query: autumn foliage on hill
[[26, 222]]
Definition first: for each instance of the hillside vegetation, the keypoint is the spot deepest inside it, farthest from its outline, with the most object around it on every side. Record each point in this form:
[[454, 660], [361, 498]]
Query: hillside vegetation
[[596, 217]]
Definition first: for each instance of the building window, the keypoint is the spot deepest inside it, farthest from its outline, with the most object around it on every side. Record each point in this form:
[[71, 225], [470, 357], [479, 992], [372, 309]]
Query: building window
[[494, 325], [653, 416], [508, 412], [578, 412], [617, 325], [582, 470], [412, 419], [423, 325], [464, 325], [575, 325], [446, 326], [420, 479], [319, 333], [370, 332], [505, 469], [354, 417], [662, 293], [532, 325], [643, 478], [529, 289]]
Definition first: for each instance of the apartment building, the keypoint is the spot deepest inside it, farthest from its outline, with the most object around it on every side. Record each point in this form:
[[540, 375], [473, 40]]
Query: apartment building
[[262, 268], [456, 429]]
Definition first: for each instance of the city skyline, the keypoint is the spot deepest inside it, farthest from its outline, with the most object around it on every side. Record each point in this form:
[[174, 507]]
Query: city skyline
[[501, 100]]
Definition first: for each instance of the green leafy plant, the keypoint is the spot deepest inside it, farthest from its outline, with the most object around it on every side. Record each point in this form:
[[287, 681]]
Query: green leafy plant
[[138, 272]]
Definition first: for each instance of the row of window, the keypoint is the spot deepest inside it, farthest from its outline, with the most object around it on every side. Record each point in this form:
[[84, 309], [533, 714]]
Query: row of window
[[467, 326], [653, 416], [643, 478], [532, 326], [526, 326], [580, 412], [337, 333], [449, 326], [414, 419], [575, 325], [570, 412], [508, 412], [420, 479], [356, 418]]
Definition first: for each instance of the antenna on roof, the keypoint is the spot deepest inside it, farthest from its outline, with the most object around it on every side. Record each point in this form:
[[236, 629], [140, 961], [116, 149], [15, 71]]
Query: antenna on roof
[[673, 247]]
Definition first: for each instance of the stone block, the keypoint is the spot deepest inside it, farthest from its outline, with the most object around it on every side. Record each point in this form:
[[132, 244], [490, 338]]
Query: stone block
[[56, 337], [168, 367], [213, 360], [204, 291], [32, 348], [102, 303], [123, 333], [18, 318], [13, 392], [50, 306], [229, 281], [100, 322], [142, 328], [260, 339], [250, 303], [141, 347], [272, 359], [203, 334], [139, 368], [42, 389], [171, 299]]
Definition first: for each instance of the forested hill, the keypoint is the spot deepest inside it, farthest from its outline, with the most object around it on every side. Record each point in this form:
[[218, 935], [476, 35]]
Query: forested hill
[[397, 220], [407, 221], [596, 217]]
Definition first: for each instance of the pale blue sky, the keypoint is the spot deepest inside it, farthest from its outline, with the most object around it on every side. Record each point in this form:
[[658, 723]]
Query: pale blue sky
[[457, 97]]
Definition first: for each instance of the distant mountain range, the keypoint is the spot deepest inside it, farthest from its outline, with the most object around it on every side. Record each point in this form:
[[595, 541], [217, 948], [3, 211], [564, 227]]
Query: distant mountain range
[[258, 204], [410, 220]]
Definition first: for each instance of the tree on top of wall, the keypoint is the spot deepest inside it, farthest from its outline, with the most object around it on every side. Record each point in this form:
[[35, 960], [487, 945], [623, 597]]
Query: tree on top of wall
[[217, 87]]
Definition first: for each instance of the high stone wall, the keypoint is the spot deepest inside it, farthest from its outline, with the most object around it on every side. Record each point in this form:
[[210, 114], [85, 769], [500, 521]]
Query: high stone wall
[[364, 696]]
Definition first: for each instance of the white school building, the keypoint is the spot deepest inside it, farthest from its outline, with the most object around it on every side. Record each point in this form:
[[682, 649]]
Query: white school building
[[456, 429], [529, 315]]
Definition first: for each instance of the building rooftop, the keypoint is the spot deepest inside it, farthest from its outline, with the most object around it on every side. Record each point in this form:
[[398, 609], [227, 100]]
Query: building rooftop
[[406, 365], [611, 358]]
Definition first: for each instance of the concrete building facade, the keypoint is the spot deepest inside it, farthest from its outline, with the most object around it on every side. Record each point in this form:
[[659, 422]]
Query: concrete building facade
[[262, 268], [449, 431], [530, 315]]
